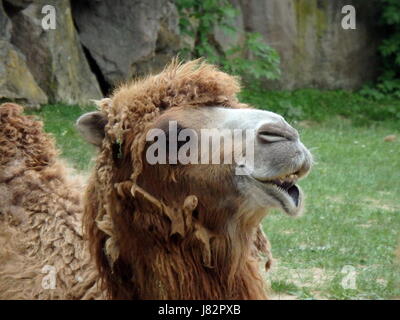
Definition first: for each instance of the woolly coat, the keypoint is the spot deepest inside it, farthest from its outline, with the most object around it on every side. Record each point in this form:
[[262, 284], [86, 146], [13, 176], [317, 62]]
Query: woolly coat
[[155, 247], [43, 254]]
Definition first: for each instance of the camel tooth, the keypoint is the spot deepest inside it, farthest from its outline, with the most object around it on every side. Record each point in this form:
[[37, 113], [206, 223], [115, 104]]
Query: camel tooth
[[288, 177]]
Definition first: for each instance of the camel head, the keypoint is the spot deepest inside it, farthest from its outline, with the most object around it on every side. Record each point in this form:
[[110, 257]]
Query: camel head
[[185, 168]]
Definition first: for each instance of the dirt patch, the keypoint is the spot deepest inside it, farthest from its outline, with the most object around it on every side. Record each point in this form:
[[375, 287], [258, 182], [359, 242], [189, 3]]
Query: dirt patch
[[379, 204], [302, 278], [282, 296], [335, 199]]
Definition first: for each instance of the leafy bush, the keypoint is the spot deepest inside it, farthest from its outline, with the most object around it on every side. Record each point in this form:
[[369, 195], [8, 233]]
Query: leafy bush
[[252, 60], [389, 81], [263, 61]]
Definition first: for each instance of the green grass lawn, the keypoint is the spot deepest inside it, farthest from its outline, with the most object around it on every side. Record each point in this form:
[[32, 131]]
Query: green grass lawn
[[344, 245], [352, 219]]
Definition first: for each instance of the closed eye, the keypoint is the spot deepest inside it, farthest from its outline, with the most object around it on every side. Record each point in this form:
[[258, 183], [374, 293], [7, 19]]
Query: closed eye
[[176, 135], [270, 136]]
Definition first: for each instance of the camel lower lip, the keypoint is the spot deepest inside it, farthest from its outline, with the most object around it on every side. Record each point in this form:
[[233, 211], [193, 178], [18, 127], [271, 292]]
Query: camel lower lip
[[287, 187]]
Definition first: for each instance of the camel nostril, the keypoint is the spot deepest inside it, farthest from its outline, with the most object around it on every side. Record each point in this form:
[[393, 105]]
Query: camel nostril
[[305, 168]]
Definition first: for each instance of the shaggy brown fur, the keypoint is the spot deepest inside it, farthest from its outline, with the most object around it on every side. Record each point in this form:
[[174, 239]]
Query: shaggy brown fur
[[159, 232], [40, 216], [153, 234]]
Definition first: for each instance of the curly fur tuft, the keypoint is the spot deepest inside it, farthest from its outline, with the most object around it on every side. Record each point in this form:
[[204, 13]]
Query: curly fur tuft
[[40, 216], [151, 246]]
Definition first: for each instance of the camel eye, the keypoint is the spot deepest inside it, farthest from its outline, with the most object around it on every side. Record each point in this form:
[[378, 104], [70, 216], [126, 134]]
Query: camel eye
[[270, 136], [174, 135], [117, 152]]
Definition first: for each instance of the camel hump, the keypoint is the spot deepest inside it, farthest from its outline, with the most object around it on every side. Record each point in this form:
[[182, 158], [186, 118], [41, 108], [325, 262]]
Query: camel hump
[[10, 109]]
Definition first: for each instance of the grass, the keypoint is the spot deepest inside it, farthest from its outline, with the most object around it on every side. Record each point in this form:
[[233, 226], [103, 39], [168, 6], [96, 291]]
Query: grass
[[352, 217], [344, 245], [60, 121], [349, 233]]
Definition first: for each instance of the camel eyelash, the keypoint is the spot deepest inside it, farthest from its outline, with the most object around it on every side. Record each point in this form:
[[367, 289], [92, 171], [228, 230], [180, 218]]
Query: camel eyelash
[[178, 130], [117, 150]]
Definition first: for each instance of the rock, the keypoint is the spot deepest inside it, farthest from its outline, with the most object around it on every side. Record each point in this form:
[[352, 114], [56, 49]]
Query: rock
[[5, 24], [17, 4], [226, 40], [122, 39], [55, 57], [127, 38], [16, 82], [315, 50], [390, 138]]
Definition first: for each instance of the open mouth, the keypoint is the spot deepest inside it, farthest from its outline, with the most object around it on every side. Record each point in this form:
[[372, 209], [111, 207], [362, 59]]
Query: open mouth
[[287, 184], [285, 190]]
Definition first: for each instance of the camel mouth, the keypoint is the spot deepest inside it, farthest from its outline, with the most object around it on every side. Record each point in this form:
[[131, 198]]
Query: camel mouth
[[285, 190], [288, 186]]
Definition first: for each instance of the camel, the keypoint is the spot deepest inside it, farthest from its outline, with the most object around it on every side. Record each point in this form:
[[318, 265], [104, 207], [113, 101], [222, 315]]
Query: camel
[[43, 253], [154, 231], [185, 231]]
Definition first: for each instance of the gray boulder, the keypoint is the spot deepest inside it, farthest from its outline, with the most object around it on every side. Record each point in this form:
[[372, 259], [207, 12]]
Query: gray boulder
[[315, 50], [5, 24], [225, 40], [55, 57], [16, 81], [127, 38]]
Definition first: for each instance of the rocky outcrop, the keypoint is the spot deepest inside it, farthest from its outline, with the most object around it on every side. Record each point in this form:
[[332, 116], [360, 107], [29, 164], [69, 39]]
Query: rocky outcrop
[[16, 80], [98, 44], [127, 38], [315, 50], [5, 24], [55, 57], [226, 41]]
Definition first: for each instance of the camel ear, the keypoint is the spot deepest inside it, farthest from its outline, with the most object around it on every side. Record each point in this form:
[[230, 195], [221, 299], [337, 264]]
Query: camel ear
[[91, 127]]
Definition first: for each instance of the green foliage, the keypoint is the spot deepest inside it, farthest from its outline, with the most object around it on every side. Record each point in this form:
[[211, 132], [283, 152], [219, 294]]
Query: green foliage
[[320, 106], [253, 59], [263, 61], [389, 81]]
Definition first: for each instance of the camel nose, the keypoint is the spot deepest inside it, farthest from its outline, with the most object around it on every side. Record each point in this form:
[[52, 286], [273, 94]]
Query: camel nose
[[269, 132], [307, 163]]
